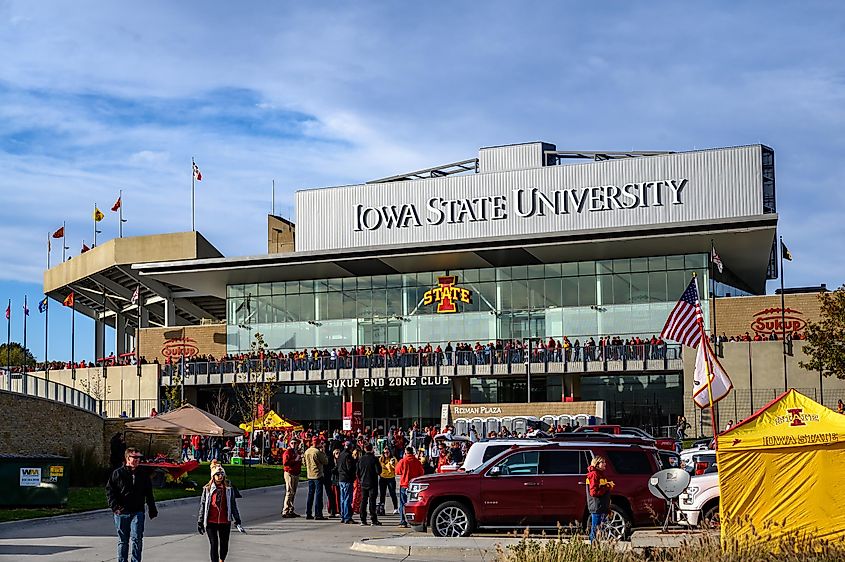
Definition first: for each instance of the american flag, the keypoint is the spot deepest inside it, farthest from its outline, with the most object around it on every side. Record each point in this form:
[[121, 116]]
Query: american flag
[[685, 323]]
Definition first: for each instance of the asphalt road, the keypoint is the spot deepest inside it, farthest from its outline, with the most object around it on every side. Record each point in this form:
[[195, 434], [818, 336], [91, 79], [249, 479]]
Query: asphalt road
[[172, 535]]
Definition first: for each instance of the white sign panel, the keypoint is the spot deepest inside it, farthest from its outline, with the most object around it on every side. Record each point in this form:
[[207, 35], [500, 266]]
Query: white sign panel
[[30, 477], [655, 190]]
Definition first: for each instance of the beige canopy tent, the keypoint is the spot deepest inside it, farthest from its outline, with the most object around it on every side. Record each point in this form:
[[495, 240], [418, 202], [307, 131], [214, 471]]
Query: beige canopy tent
[[186, 420]]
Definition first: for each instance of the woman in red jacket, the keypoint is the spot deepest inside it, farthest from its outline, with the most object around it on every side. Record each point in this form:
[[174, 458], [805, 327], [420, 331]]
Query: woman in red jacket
[[598, 494]]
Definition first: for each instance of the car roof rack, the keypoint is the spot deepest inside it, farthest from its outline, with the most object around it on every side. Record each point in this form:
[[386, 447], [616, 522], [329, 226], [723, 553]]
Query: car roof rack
[[596, 436]]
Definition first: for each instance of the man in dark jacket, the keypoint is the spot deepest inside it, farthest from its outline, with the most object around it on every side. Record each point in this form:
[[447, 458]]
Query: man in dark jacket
[[128, 489], [347, 467], [369, 469]]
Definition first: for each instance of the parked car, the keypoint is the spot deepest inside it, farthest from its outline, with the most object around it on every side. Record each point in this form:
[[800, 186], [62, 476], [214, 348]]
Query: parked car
[[700, 502], [541, 485], [665, 443], [688, 456]]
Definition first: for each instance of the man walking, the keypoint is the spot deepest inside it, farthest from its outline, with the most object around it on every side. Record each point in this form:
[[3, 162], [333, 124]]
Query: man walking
[[347, 467], [292, 464], [315, 461], [369, 469], [128, 489], [407, 469]]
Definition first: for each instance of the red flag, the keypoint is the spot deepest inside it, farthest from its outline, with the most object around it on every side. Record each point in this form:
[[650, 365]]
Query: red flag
[[9, 311], [197, 173], [116, 205], [59, 233], [68, 300], [85, 248]]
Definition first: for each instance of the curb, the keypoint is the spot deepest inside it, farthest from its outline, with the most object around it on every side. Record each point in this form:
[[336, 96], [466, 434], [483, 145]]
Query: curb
[[390, 546], [47, 519]]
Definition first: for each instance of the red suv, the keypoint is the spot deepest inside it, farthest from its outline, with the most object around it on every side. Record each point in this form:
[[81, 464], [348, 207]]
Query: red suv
[[540, 486]]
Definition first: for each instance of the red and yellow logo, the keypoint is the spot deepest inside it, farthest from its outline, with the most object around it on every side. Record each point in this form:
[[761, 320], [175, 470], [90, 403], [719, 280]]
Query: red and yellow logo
[[770, 320], [447, 295], [796, 417], [178, 347]]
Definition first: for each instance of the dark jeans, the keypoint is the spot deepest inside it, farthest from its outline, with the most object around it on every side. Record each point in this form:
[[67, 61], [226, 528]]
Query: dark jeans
[[218, 536], [130, 528], [315, 491], [330, 495], [368, 499], [385, 484], [345, 500]]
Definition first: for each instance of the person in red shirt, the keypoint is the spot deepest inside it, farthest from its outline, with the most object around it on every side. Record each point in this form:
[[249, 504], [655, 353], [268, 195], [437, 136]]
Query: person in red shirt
[[407, 469], [218, 508], [292, 464]]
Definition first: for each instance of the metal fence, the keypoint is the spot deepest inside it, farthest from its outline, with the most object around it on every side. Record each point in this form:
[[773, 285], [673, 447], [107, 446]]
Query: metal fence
[[42, 388], [481, 362], [129, 408]]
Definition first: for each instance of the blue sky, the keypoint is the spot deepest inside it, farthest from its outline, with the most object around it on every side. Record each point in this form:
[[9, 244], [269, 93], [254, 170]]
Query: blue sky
[[101, 96]]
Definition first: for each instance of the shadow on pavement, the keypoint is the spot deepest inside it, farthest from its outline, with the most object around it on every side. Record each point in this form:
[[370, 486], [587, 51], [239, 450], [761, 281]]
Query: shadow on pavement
[[35, 550]]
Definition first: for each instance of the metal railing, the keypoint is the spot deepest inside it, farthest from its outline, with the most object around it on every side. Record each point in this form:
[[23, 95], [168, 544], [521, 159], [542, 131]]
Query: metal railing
[[456, 363], [133, 408], [40, 388]]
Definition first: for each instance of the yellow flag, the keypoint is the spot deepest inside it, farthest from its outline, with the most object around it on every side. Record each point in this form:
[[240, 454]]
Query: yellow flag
[[98, 215]]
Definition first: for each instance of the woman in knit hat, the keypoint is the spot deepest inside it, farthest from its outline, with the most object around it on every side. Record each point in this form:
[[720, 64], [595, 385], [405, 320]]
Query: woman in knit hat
[[218, 509]]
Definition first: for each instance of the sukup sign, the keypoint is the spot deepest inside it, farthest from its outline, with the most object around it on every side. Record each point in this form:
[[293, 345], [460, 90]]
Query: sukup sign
[[177, 347], [446, 295], [770, 320]]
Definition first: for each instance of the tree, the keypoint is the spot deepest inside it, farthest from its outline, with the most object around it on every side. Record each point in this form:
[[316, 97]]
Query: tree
[[220, 405], [18, 356], [253, 389], [826, 338], [173, 392]]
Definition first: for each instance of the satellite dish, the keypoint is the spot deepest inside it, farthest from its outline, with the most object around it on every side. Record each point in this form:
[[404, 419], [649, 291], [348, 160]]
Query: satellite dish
[[669, 483]]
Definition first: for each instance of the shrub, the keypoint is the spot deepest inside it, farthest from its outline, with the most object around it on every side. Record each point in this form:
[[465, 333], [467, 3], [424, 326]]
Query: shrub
[[85, 470]]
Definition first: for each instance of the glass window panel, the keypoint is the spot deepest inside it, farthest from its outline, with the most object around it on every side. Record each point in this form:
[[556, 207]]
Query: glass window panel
[[569, 291], [621, 266], [621, 288], [536, 294], [519, 294], [379, 281], [470, 276], [488, 291], [394, 301], [604, 266], [233, 310], [488, 274], [321, 285], [426, 279], [307, 305], [692, 261], [335, 305], [639, 264], [234, 291], [251, 289], [350, 283], [505, 300], [365, 282], [349, 304], [536, 271], [657, 287], [292, 308], [321, 301], [263, 310], [379, 302], [552, 290], [552, 270], [278, 309], [677, 282], [674, 262], [657, 263], [504, 274], [519, 272], [409, 280], [265, 289], [587, 290], [606, 282], [639, 288], [586, 268], [394, 280], [278, 288], [306, 286], [292, 287], [335, 284], [569, 269]]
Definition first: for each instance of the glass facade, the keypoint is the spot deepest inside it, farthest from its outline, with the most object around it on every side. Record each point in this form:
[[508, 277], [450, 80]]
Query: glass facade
[[619, 297]]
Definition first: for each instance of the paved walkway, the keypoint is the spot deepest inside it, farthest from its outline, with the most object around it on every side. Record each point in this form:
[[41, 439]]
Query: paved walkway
[[172, 535]]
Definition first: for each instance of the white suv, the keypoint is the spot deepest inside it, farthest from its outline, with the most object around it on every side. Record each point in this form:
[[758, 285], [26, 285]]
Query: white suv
[[700, 502]]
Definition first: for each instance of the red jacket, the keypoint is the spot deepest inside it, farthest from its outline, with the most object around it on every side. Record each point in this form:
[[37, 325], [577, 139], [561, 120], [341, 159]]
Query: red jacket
[[292, 461], [594, 478], [408, 468]]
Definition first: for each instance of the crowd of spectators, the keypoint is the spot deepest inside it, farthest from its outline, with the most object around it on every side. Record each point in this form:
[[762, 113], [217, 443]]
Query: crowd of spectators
[[773, 336], [461, 353]]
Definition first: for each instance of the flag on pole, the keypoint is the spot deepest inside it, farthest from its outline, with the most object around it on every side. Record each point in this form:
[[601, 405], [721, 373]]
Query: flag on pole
[[69, 300], [98, 214], [135, 295], [717, 261], [116, 207], [784, 251], [59, 233], [197, 173], [685, 322], [84, 249], [707, 365], [25, 309], [42, 305], [9, 311]]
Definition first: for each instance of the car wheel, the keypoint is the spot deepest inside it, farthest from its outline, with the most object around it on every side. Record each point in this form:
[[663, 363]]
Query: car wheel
[[617, 525], [710, 518], [452, 519]]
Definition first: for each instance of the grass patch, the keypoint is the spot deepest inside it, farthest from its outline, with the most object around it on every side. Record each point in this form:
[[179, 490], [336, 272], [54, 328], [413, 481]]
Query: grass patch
[[94, 497]]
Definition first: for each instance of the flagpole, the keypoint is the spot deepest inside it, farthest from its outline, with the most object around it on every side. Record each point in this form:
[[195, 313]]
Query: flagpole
[[193, 182], [73, 341], [95, 225], [273, 199], [64, 244], [49, 244], [712, 284], [120, 215], [783, 318], [46, 334], [9, 340], [25, 314]]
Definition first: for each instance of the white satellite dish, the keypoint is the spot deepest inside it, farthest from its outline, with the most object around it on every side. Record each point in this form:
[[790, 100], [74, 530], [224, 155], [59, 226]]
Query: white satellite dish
[[670, 483]]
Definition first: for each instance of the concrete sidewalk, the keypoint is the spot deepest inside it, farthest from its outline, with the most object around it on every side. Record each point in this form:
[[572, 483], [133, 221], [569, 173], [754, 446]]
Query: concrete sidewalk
[[427, 546]]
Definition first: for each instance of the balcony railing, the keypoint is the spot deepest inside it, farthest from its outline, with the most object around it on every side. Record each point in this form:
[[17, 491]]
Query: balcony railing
[[38, 387], [622, 358]]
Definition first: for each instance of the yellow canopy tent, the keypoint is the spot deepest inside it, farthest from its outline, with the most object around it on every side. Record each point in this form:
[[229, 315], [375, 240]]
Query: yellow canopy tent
[[782, 473], [271, 421]]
